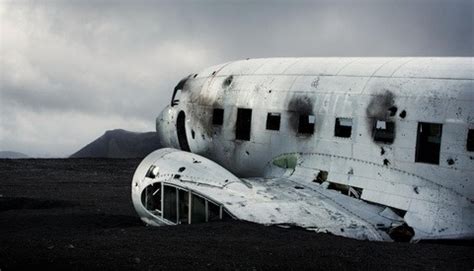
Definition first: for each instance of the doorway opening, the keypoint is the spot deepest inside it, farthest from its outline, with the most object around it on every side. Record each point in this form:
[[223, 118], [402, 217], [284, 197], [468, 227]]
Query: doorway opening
[[244, 122], [428, 143], [181, 131]]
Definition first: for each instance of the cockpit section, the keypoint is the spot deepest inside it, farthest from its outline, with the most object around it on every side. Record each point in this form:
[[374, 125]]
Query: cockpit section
[[177, 91], [178, 205]]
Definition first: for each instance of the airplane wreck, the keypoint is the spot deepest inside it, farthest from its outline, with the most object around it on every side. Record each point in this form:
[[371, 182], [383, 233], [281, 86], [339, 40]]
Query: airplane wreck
[[366, 148]]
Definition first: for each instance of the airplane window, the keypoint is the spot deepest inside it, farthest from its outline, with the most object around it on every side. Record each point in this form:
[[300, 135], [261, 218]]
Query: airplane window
[[176, 96], [152, 172], [170, 203], [343, 127], [273, 121], [213, 211], [198, 209], [243, 124], [218, 116], [470, 140], [151, 198], [306, 124], [177, 91], [183, 205], [428, 142], [384, 131]]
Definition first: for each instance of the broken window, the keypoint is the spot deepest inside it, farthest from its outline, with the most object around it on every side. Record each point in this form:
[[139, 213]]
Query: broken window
[[218, 116], [198, 209], [243, 124], [176, 97], [306, 124], [213, 211], [343, 127], [226, 216], [384, 131], [170, 203], [344, 189], [428, 142], [151, 198], [273, 121], [470, 140], [183, 206], [177, 91], [321, 177]]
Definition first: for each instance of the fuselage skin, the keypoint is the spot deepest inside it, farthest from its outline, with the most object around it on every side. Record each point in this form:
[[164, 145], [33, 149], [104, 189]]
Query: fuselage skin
[[405, 92]]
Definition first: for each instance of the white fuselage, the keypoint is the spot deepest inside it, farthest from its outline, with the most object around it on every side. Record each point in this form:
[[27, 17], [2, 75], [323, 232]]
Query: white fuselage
[[394, 129]]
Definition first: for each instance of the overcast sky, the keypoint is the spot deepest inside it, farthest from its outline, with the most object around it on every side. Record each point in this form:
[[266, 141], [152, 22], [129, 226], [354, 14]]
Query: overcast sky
[[71, 70]]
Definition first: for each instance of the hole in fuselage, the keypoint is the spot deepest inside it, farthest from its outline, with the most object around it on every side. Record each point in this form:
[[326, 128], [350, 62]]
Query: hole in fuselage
[[181, 131], [243, 124]]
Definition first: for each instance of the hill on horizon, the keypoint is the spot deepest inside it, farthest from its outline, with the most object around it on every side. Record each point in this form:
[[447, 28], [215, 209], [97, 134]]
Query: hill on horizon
[[12, 155], [120, 144]]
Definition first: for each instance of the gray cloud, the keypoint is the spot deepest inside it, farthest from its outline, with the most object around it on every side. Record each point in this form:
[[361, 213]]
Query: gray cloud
[[70, 69]]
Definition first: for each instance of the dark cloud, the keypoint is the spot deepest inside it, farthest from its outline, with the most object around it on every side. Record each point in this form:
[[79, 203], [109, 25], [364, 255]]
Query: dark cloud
[[115, 62]]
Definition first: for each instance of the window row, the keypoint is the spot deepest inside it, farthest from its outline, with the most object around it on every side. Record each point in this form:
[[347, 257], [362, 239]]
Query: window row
[[428, 134], [181, 206]]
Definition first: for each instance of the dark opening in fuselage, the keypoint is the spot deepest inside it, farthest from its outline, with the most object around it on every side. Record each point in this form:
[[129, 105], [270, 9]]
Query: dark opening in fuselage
[[181, 131]]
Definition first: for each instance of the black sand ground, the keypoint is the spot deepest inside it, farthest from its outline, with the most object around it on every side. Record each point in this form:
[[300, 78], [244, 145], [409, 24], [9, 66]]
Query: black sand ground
[[77, 214]]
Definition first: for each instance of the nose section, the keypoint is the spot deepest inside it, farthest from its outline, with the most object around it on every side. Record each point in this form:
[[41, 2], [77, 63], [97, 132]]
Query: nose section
[[166, 127]]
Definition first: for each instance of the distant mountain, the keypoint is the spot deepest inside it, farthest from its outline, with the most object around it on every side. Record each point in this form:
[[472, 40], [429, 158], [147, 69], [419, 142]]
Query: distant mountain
[[120, 144], [12, 155]]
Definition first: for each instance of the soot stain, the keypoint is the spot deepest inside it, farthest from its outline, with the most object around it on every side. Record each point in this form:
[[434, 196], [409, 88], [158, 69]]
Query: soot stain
[[201, 113], [227, 81], [393, 111], [381, 107], [299, 105]]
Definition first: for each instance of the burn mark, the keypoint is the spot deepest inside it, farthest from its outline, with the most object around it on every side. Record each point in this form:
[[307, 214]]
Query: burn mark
[[227, 81], [181, 169], [386, 162], [299, 105], [382, 151], [381, 108], [403, 114], [380, 104]]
